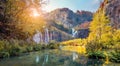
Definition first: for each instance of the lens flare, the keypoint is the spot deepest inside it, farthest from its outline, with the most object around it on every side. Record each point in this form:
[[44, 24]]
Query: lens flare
[[34, 12]]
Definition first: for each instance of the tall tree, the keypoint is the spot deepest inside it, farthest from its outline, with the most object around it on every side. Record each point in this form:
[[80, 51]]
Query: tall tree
[[99, 26], [19, 17]]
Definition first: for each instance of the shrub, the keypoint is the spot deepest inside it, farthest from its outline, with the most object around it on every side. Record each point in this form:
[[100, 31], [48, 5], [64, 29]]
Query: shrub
[[94, 46], [43, 46], [15, 51], [53, 46], [29, 49], [115, 56], [4, 54], [37, 47], [96, 55], [1, 45]]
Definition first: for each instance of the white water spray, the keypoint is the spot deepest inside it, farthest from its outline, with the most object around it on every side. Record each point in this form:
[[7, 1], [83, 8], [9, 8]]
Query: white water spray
[[46, 35], [37, 37], [37, 59], [74, 32]]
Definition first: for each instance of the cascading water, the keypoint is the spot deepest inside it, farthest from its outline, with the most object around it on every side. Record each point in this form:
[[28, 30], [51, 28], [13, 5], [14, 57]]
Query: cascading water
[[41, 36], [46, 35], [51, 36], [74, 32], [37, 37]]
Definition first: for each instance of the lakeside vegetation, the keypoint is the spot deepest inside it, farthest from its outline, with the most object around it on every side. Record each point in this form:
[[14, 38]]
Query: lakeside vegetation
[[19, 47], [103, 41]]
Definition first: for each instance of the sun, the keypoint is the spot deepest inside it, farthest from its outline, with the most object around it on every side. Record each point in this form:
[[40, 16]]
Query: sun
[[34, 12]]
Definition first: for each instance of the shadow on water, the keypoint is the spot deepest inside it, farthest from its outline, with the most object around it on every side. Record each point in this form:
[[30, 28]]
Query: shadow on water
[[53, 58]]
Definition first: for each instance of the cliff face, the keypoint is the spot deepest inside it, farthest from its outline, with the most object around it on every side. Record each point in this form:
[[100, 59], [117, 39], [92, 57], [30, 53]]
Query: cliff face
[[68, 18], [65, 19], [112, 8]]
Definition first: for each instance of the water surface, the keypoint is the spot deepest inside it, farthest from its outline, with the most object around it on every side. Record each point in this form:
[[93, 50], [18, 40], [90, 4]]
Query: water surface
[[53, 58]]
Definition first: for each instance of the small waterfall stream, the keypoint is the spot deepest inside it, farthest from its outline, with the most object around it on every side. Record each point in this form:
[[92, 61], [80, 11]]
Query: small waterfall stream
[[46, 35], [39, 37], [74, 33]]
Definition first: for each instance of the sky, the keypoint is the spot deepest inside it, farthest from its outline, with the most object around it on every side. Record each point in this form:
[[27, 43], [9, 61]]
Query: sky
[[87, 5]]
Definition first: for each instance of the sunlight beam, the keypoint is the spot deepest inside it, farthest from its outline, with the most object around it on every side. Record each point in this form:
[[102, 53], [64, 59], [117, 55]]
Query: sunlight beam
[[34, 13]]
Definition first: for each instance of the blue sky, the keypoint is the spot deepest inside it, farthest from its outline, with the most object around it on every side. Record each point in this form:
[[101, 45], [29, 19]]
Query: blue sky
[[88, 5]]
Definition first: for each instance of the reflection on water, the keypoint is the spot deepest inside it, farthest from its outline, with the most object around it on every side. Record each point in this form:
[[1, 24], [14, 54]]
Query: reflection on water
[[75, 56], [45, 60], [53, 58], [37, 59]]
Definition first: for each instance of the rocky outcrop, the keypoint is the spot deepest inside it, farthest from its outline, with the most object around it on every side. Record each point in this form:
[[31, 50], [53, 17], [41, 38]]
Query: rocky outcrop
[[112, 9], [64, 20], [83, 30], [83, 33], [68, 18]]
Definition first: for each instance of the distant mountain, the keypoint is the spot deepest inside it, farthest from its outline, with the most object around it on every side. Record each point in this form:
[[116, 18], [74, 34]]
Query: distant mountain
[[64, 19], [68, 18]]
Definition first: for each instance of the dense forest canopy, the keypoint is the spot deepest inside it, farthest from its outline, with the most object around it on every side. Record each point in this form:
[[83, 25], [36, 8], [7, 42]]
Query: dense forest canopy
[[20, 18]]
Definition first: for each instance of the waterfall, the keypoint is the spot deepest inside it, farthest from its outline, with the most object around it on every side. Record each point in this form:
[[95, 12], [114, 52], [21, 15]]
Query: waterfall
[[51, 36], [74, 32], [37, 37], [46, 35], [41, 36]]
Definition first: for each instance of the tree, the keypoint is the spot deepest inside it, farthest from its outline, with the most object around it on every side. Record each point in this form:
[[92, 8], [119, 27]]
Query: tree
[[99, 26], [16, 19]]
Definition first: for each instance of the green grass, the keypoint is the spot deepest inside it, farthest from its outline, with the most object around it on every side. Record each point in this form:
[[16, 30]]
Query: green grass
[[17, 47]]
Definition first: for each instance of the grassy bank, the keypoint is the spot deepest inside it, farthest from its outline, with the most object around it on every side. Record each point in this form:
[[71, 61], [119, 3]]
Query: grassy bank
[[94, 50], [18, 47]]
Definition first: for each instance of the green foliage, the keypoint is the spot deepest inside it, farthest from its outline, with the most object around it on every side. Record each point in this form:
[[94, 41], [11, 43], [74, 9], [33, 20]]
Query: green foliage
[[115, 56], [102, 31], [37, 47], [96, 55], [14, 48], [94, 50], [15, 51], [94, 46], [17, 47], [16, 20], [53, 46], [29, 48], [4, 54], [103, 37], [100, 26]]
